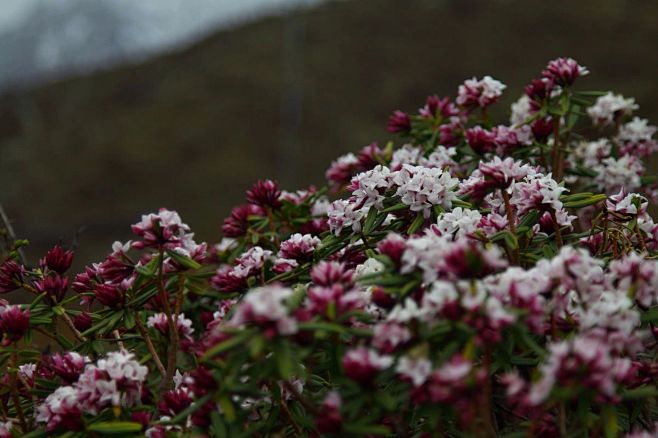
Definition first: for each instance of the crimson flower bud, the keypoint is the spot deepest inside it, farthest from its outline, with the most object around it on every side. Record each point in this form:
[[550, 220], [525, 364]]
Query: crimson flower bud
[[399, 122], [265, 193], [329, 419], [82, 321], [57, 260], [109, 295], [174, 401], [11, 276], [14, 322], [54, 286], [237, 223]]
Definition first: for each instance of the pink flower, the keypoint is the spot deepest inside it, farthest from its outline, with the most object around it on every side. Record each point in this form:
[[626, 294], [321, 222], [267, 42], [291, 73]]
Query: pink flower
[[564, 71], [479, 93], [436, 107], [266, 307], [264, 193], [162, 230], [329, 273], [68, 366], [299, 247], [61, 410], [362, 364], [341, 170], [388, 336], [57, 260], [159, 322], [227, 280]]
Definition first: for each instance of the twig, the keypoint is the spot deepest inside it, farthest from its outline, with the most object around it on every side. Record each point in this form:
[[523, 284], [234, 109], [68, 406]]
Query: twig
[[149, 345]]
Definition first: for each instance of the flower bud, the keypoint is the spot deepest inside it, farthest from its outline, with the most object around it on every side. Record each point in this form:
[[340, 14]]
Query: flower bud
[[57, 260], [265, 193], [14, 322], [11, 276]]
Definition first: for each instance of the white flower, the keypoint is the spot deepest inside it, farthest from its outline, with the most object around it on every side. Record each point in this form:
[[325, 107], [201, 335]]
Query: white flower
[[343, 214], [616, 173], [610, 106], [370, 266], [266, 304], [637, 130], [459, 222], [421, 188], [368, 187], [416, 370], [520, 111], [407, 154]]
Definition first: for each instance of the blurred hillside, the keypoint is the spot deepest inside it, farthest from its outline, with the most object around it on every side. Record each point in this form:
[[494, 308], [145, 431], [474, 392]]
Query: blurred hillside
[[280, 98]]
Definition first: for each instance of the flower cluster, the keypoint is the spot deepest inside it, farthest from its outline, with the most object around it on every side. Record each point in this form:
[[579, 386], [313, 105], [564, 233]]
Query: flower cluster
[[481, 279]]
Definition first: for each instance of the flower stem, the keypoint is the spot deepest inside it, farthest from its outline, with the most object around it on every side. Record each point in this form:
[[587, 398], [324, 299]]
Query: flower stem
[[512, 225], [14, 390], [557, 153], [556, 227], [173, 331]]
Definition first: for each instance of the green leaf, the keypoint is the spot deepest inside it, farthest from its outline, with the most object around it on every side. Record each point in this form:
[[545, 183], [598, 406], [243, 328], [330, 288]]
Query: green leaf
[[416, 224], [594, 199], [235, 341], [639, 393], [183, 260], [284, 360], [115, 427]]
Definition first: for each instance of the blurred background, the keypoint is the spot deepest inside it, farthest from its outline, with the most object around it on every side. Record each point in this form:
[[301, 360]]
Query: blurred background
[[113, 108]]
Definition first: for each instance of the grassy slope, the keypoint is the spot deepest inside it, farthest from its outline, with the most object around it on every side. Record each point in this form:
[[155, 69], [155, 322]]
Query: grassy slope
[[193, 129]]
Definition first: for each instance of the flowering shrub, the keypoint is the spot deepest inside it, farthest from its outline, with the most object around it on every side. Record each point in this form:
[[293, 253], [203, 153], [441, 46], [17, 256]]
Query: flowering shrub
[[478, 280]]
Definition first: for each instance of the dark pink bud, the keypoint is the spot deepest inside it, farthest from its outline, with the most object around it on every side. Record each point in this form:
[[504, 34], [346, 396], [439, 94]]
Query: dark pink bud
[[141, 417], [82, 321], [86, 281], [539, 89], [14, 322], [434, 106], [369, 156], [480, 140], [314, 227], [542, 129], [109, 295], [399, 122], [11, 276], [265, 193], [381, 298], [57, 260], [54, 286], [329, 419], [237, 223], [174, 402], [393, 246]]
